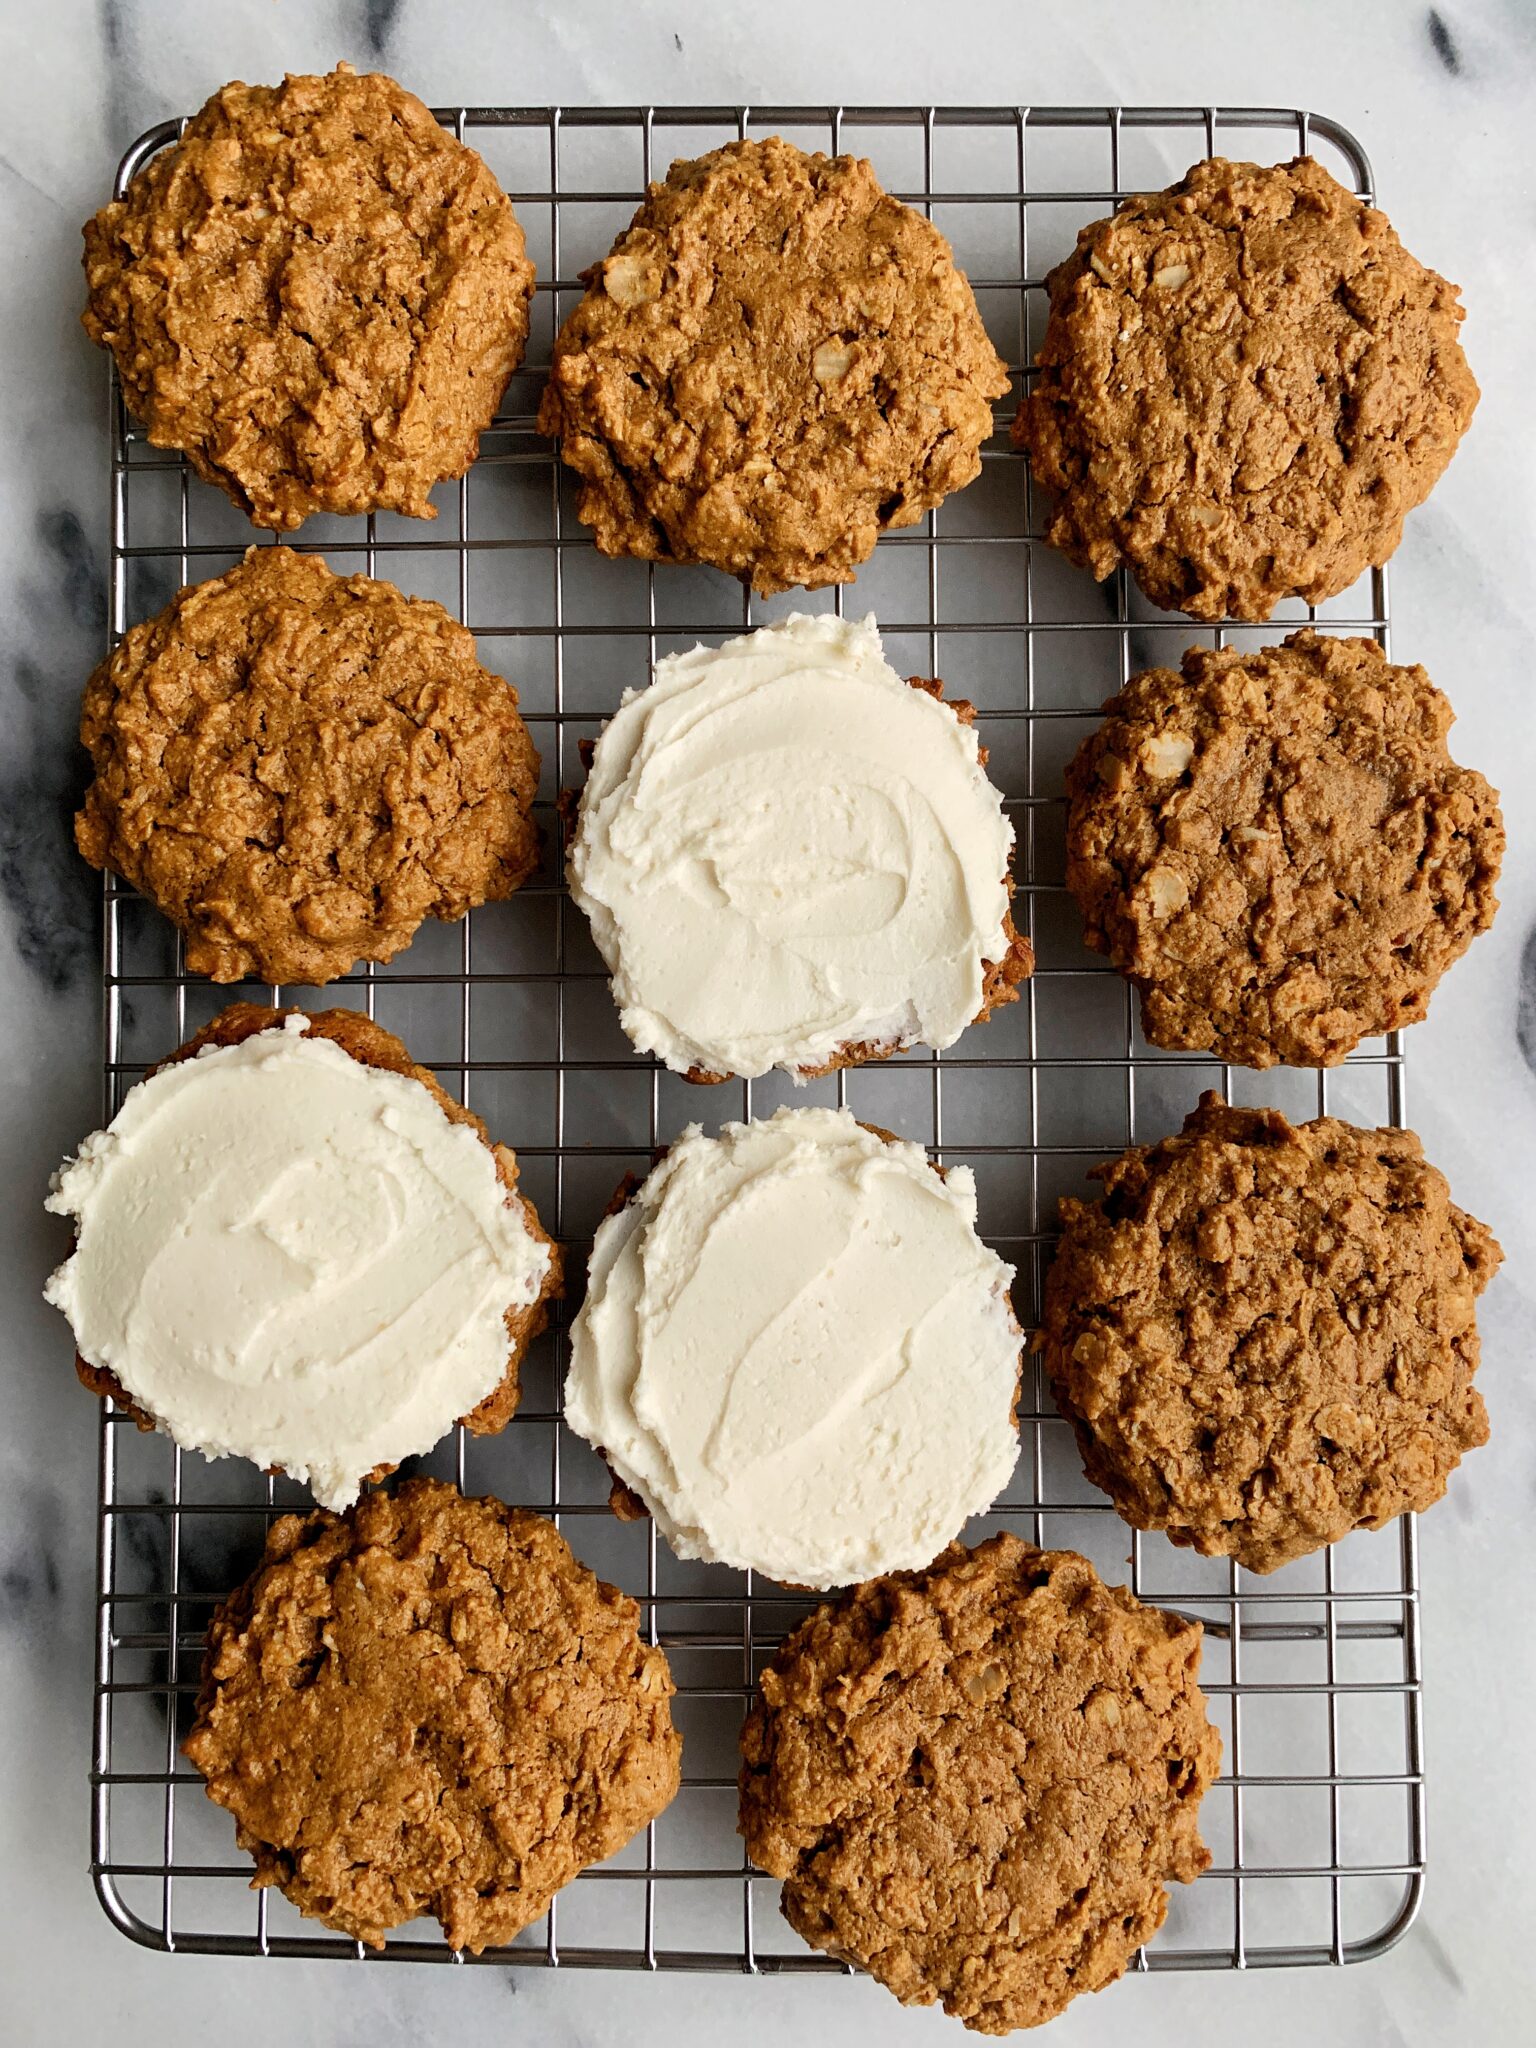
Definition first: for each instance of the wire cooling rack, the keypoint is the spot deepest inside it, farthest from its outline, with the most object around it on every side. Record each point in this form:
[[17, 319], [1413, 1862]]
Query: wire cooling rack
[[1313, 1673]]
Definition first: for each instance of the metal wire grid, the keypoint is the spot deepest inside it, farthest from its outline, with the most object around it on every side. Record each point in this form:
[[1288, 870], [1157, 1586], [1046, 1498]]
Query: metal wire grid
[[1313, 1673]]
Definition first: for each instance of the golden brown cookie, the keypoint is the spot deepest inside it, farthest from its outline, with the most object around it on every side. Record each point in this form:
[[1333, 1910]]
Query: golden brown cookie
[[427, 1706], [318, 295], [297, 768], [1246, 384], [977, 1780], [1278, 850], [372, 1046], [1264, 1334], [775, 362]]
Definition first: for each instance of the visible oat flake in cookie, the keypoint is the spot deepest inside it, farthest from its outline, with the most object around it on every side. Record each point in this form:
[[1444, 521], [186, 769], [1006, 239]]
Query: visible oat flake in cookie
[[977, 1781], [427, 1706], [317, 294], [1246, 384], [1278, 850], [298, 768], [775, 362], [1265, 1335]]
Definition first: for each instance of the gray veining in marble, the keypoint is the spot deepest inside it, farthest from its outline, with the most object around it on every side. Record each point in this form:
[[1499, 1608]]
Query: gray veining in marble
[[1445, 100]]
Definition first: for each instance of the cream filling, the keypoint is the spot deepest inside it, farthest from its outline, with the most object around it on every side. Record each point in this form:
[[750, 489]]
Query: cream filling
[[288, 1256], [785, 849], [797, 1351]]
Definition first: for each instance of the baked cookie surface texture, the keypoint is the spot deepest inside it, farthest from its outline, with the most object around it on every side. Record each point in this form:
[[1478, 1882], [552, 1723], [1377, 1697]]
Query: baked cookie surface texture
[[792, 858], [298, 768], [1278, 850], [797, 1352], [1265, 1335], [976, 1781], [775, 363], [427, 1706], [290, 1246], [1246, 384], [317, 294]]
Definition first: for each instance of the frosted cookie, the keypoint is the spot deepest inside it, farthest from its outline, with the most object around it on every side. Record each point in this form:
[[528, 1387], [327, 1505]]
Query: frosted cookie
[[427, 1706], [792, 858], [796, 1351], [1278, 850], [1246, 384], [977, 1781], [298, 768], [317, 294], [774, 363], [1265, 1333], [378, 1274]]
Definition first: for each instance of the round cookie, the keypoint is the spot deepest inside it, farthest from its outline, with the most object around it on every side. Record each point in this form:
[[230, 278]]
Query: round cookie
[[977, 1780], [795, 1352], [775, 363], [317, 295], [1278, 850], [792, 858], [428, 1706], [1246, 383], [1264, 1334], [297, 768], [372, 1046]]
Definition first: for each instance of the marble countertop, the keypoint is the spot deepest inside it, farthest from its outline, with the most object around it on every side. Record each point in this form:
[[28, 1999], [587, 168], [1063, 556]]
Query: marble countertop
[[1443, 100]]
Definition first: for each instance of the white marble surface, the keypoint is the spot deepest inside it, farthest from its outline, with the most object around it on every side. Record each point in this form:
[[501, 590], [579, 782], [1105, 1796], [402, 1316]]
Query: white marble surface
[[1444, 103]]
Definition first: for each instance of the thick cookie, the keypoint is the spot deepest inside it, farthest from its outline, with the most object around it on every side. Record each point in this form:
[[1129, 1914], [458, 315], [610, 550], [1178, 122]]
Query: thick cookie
[[792, 858], [297, 768], [1246, 384], [427, 1706], [318, 295], [853, 1405], [977, 1780], [774, 363], [1278, 850], [372, 1046], [1264, 1334]]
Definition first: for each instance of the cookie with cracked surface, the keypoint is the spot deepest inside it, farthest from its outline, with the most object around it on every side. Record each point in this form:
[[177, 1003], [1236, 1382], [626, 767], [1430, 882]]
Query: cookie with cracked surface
[[1246, 384], [1278, 850], [297, 768], [372, 1046], [317, 295], [976, 1781], [428, 1706], [775, 363], [1265, 1334]]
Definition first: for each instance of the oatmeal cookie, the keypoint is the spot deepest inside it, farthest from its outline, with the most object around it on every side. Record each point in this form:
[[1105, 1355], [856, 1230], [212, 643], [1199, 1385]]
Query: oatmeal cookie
[[1278, 850], [977, 1780], [1264, 1334], [372, 1046], [317, 294], [792, 858], [775, 362], [1246, 384], [427, 1706], [298, 768]]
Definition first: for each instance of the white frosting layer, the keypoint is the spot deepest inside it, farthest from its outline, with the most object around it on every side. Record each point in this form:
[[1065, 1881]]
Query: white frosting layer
[[784, 849], [288, 1256], [797, 1351]]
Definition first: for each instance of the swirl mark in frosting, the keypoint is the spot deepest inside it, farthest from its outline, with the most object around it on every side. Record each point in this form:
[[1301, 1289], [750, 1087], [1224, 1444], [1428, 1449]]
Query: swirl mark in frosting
[[797, 1351], [784, 850], [286, 1255]]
